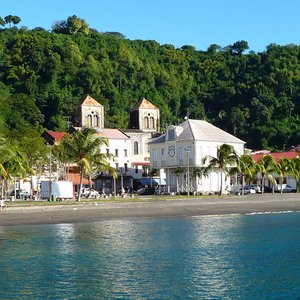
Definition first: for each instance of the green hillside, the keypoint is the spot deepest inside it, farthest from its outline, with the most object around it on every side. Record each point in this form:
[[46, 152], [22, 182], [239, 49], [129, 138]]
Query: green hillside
[[43, 75]]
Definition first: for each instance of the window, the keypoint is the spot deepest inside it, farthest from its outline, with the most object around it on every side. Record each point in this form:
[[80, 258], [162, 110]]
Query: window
[[117, 166], [136, 148], [116, 152], [96, 121], [146, 122], [171, 134], [125, 152], [180, 153], [107, 151], [154, 153], [151, 122], [89, 121]]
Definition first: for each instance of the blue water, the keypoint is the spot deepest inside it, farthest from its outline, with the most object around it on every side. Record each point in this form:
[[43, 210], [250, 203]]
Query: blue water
[[222, 257]]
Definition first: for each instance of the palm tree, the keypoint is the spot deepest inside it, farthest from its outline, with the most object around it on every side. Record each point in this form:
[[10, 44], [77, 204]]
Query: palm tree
[[283, 168], [13, 162], [199, 172], [295, 171], [84, 149], [62, 157], [266, 166], [16, 166], [226, 158], [245, 167], [6, 153], [99, 164]]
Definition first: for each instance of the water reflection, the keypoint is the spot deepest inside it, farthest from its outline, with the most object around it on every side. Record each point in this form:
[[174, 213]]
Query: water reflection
[[205, 257]]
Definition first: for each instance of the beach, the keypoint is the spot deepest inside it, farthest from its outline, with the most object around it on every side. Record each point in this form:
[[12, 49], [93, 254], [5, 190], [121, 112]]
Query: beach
[[149, 208]]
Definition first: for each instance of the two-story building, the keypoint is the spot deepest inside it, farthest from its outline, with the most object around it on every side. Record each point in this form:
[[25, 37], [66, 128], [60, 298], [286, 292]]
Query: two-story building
[[182, 149]]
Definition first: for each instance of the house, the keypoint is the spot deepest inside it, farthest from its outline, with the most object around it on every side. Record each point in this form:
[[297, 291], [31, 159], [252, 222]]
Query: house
[[53, 137], [182, 148], [288, 179]]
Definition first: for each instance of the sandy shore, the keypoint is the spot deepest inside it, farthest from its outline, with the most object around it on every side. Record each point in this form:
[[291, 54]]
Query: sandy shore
[[89, 212]]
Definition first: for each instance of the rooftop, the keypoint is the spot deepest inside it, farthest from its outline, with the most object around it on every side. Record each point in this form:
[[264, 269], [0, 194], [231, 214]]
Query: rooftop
[[144, 103], [199, 130], [89, 101], [276, 155]]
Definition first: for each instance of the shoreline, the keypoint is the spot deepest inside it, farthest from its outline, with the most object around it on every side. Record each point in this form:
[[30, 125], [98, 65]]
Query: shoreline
[[169, 208]]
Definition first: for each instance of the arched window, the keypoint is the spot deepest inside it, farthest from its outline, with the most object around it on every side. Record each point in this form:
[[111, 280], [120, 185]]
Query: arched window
[[89, 120], [136, 148], [96, 121], [146, 122], [152, 122]]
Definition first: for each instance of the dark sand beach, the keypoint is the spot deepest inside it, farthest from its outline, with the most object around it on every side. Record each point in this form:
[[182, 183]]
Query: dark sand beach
[[188, 207]]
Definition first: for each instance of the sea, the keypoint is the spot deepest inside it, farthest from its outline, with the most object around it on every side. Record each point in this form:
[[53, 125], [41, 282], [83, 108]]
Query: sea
[[207, 257]]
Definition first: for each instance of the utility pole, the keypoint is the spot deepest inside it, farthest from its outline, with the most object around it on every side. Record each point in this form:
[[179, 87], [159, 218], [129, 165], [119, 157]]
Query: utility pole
[[50, 173]]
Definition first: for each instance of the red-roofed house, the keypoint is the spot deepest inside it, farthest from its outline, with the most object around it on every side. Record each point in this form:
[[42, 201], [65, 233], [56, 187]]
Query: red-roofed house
[[276, 155], [290, 180], [53, 137]]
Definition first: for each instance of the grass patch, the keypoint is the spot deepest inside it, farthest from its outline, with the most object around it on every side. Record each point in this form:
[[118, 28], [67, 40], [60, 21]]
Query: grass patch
[[148, 198]]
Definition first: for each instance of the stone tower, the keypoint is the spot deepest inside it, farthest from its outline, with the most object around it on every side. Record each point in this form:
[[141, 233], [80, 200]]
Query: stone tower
[[89, 113], [145, 116]]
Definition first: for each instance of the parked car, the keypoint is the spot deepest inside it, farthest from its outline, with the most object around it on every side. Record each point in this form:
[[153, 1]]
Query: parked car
[[285, 188], [256, 187], [85, 191], [246, 190], [146, 191], [20, 194], [90, 193]]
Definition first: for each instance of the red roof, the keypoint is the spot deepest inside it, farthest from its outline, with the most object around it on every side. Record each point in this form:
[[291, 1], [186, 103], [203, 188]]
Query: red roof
[[277, 155], [75, 178], [57, 136]]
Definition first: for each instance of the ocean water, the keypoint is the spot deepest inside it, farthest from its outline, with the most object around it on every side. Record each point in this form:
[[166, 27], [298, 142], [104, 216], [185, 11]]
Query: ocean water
[[215, 257]]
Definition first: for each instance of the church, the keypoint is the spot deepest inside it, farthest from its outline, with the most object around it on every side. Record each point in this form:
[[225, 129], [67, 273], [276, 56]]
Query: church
[[129, 147]]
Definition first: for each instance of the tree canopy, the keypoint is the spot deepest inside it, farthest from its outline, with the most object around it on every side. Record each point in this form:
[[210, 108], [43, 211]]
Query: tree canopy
[[44, 75]]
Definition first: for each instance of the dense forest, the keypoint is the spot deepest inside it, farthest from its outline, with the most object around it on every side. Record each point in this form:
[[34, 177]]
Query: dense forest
[[45, 74]]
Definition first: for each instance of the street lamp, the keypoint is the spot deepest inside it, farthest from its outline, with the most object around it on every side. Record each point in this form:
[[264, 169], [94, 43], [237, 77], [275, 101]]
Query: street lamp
[[188, 171], [50, 173]]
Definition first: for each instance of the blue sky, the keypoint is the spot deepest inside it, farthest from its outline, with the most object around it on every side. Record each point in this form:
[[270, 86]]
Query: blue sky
[[199, 23]]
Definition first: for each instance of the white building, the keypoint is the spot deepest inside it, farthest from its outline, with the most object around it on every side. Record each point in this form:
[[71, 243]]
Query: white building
[[183, 147], [129, 147]]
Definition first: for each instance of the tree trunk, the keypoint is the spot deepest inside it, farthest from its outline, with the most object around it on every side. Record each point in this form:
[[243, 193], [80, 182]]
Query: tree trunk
[[221, 185], [80, 184], [2, 187], [243, 183]]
